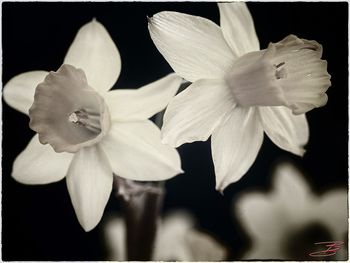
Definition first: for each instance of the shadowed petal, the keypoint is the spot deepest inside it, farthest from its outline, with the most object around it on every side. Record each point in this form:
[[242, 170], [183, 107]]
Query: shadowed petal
[[115, 237], [289, 182], [291, 217], [235, 146], [333, 209], [89, 182], [256, 212], [288, 131], [238, 28], [142, 103], [94, 51], [194, 113], [193, 46], [135, 152], [40, 164], [19, 91], [179, 240], [203, 247]]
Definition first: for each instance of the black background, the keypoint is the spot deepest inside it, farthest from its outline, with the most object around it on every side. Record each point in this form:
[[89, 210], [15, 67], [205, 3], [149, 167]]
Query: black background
[[38, 222]]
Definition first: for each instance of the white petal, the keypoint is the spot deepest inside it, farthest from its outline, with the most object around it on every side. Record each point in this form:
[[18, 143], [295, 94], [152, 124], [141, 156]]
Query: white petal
[[238, 28], [235, 146], [40, 164], [193, 46], [94, 51], [194, 113], [203, 247], [265, 251], [19, 91], [292, 194], [89, 182], [142, 103], [115, 239], [332, 210], [170, 241], [288, 131], [135, 152], [178, 240], [260, 217], [267, 217]]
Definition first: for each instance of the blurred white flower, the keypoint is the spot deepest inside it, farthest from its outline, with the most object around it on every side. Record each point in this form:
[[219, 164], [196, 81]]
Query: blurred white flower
[[238, 92], [93, 132], [176, 240], [286, 223]]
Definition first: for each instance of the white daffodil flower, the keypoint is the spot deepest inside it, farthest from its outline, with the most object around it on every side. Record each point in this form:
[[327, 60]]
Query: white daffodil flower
[[287, 222], [176, 240], [238, 92], [85, 132]]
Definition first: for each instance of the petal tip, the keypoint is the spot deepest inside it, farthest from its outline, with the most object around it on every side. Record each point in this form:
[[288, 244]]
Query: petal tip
[[180, 171], [221, 191], [88, 227], [174, 143], [221, 186], [18, 178], [301, 152]]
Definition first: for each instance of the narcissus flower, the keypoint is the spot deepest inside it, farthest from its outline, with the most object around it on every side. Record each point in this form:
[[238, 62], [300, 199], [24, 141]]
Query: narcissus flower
[[238, 91], [177, 240], [85, 132], [288, 221]]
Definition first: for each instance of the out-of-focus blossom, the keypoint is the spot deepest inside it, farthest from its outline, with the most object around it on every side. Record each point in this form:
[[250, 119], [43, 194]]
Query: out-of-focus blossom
[[92, 132], [238, 92], [286, 223], [176, 240]]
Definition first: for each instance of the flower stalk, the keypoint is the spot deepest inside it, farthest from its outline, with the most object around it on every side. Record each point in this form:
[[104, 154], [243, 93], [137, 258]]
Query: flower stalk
[[141, 204]]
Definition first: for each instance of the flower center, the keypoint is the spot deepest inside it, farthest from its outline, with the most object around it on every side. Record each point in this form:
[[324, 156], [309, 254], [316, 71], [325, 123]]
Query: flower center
[[67, 113], [89, 121], [289, 73]]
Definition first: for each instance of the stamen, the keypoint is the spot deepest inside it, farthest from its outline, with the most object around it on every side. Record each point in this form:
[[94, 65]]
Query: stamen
[[78, 116], [83, 118], [280, 64], [281, 71]]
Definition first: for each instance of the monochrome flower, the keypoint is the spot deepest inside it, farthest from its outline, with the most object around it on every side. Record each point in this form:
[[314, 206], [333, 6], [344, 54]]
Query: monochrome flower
[[85, 132], [177, 240], [288, 221], [238, 92]]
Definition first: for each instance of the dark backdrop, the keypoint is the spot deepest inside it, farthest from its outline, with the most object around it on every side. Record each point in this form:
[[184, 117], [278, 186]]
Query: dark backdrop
[[38, 222]]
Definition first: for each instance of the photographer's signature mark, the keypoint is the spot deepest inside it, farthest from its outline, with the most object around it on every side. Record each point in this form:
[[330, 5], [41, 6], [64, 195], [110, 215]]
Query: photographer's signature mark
[[330, 249]]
